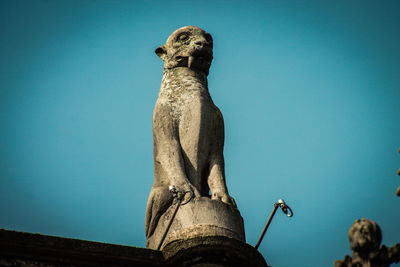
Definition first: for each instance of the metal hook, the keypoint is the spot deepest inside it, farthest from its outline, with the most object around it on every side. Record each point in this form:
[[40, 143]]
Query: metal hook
[[285, 208], [174, 192], [179, 203], [190, 198]]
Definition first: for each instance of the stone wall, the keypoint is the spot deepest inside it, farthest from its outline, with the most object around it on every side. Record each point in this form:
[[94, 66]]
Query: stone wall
[[25, 249]]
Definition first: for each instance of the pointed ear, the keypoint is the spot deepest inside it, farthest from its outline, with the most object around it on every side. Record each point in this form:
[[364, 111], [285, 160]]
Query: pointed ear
[[161, 52]]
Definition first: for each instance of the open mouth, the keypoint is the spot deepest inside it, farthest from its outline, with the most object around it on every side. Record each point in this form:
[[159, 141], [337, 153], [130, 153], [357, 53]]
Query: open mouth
[[181, 59], [194, 61]]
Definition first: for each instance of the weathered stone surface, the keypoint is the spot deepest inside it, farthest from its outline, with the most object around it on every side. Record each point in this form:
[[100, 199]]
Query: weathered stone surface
[[31, 250], [365, 237], [212, 251], [188, 129], [199, 217], [25, 249]]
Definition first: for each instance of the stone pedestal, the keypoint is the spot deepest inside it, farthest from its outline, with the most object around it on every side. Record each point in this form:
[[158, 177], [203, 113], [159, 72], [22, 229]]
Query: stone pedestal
[[201, 217], [212, 251]]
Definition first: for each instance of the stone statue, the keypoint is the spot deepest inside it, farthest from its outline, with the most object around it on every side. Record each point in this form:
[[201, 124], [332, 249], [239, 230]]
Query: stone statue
[[188, 131], [365, 237]]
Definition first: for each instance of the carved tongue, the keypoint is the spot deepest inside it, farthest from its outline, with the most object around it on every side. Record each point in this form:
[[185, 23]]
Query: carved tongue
[[190, 61]]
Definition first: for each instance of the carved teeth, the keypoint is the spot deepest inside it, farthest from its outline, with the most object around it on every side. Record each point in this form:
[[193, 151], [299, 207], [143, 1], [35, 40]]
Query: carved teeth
[[190, 61]]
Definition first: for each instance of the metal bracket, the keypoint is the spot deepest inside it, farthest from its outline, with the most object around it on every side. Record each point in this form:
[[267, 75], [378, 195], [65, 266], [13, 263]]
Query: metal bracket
[[179, 203], [285, 209]]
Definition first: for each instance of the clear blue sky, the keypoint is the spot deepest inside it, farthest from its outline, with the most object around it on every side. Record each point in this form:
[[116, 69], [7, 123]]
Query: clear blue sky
[[309, 91]]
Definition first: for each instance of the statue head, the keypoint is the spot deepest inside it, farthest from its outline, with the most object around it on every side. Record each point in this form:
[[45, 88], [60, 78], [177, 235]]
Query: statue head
[[364, 236], [189, 47]]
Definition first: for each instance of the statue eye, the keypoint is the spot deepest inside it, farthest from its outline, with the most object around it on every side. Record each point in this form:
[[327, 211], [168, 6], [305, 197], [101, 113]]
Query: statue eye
[[209, 38], [183, 37]]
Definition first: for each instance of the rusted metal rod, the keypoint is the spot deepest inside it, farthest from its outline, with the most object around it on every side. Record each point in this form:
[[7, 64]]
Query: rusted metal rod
[[266, 225], [178, 201], [178, 204], [285, 208]]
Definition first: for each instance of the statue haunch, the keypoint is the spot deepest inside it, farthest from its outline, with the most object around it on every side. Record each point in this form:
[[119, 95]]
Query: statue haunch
[[188, 129]]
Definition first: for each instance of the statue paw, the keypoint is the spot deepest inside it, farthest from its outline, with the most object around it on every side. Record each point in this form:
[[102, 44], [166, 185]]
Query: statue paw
[[224, 197]]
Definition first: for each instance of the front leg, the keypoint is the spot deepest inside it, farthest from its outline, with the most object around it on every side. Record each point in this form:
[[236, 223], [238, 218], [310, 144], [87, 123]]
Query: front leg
[[216, 182], [216, 178], [168, 161]]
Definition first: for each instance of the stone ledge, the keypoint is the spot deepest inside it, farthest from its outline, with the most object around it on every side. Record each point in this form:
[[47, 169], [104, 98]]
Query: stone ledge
[[26, 249]]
